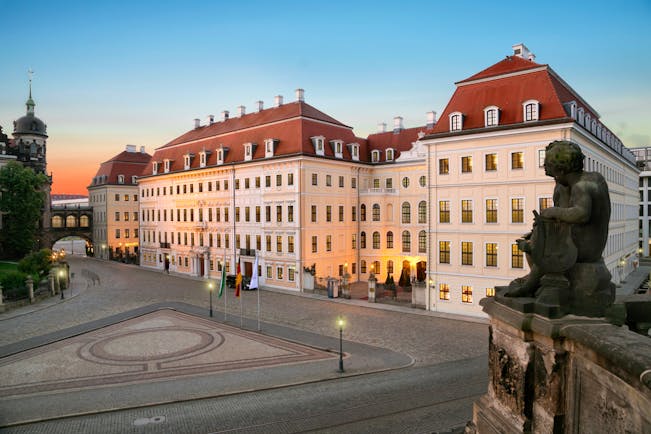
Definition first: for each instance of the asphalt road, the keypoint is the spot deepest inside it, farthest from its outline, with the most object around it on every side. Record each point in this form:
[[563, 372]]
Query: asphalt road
[[433, 395]]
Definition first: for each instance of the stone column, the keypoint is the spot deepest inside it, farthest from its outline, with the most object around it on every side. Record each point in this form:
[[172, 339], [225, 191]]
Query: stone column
[[372, 282], [206, 266], [30, 288]]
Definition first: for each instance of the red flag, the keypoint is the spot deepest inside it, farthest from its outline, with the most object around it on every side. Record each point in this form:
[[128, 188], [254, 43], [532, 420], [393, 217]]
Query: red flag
[[238, 280]]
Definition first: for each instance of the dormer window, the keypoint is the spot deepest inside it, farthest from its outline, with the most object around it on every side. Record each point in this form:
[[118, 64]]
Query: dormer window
[[187, 160], [456, 121], [337, 148], [221, 155], [154, 168], [531, 109], [203, 158], [134, 179], [354, 151], [375, 156], [318, 142], [166, 165], [120, 179], [270, 147], [587, 121], [389, 154], [491, 116], [581, 115]]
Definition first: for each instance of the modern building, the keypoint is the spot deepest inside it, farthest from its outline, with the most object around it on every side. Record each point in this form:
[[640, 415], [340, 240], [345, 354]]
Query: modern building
[[643, 158], [440, 204], [113, 196], [486, 175]]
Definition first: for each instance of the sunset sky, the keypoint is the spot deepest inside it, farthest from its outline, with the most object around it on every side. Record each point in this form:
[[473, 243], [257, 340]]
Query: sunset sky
[[113, 73]]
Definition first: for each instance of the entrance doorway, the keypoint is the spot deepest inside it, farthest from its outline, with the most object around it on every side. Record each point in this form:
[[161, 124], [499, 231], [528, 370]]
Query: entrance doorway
[[202, 267], [421, 270]]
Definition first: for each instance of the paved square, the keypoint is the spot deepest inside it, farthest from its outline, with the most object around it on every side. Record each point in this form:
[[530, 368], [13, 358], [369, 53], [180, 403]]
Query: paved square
[[163, 344]]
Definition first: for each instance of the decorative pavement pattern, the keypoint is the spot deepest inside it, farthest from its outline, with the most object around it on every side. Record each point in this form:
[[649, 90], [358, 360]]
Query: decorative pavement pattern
[[161, 345]]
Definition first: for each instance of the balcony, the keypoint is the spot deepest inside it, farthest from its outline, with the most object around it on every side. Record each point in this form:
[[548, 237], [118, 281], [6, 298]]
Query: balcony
[[165, 245], [247, 252], [377, 191]]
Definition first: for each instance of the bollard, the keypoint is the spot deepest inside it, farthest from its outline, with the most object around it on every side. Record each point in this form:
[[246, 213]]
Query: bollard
[[30, 288], [50, 281]]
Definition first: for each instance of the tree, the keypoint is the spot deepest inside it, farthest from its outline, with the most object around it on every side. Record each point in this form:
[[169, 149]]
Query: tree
[[37, 264], [21, 202]]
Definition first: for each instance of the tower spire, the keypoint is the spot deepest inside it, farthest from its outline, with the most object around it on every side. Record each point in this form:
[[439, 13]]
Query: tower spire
[[30, 102]]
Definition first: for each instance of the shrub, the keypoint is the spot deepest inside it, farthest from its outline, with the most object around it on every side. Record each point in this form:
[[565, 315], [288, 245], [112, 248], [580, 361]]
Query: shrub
[[37, 264], [13, 285]]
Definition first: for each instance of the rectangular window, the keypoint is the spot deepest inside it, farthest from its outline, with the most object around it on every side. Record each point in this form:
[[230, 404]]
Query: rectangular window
[[466, 253], [491, 210], [279, 273], [279, 213], [466, 294], [491, 254], [466, 211], [257, 182], [290, 244], [267, 181], [117, 233], [267, 213], [268, 243], [328, 213], [541, 158], [315, 179], [313, 214], [517, 258], [444, 291], [545, 202], [117, 216], [237, 184], [517, 160], [237, 213], [341, 213], [466, 164], [490, 292], [517, 210], [291, 274], [279, 243], [328, 180], [444, 252], [269, 272], [328, 243], [341, 182], [279, 180], [290, 213], [444, 211], [246, 183], [290, 179], [353, 183], [247, 213], [491, 162], [354, 242], [444, 166], [314, 243], [354, 213], [257, 214]]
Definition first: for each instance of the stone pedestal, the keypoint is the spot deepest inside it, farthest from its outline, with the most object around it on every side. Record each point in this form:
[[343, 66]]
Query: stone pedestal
[[372, 283], [30, 288], [50, 282], [572, 374]]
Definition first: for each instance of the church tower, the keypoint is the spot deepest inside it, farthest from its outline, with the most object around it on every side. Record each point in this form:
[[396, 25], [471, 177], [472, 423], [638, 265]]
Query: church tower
[[30, 137]]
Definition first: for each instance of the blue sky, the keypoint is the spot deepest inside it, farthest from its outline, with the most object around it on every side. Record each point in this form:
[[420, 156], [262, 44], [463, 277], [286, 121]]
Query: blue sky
[[112, 73]]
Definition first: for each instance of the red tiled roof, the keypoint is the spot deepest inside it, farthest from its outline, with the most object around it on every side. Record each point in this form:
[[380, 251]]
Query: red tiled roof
[[400, 141], [509, 65], [125, 163]]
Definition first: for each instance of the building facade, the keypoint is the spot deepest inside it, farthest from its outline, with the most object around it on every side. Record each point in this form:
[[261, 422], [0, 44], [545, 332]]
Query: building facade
[[113, 196], [486, 170], [643, 158], [440, 204]]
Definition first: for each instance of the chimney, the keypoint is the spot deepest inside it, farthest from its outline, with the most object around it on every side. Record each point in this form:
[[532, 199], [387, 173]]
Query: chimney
[[397, 124], [521, 50], [431, 119], [260, 104], [382, 127], [278, 100], [131, 148], [241, 110], [225, 115], [197, 123], [142, 149], [300, 95], [211, 119]]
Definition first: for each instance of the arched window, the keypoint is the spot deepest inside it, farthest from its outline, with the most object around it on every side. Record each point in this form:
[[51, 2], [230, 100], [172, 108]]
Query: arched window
[[389, 154], [376, 240], [422, 242], [406, 212], [71, 221], [406, 241], [422, 212], [389, 240], [84, 221], [376, 212], [389, 267], [456, 121], [362, 212], [375, 156], [57, 221], [375, 267], [120, 179], [491, 116], [362, 240], [530, 110]]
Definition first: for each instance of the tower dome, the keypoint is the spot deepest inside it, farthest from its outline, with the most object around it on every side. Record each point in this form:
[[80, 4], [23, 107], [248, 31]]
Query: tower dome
[[30, 124]]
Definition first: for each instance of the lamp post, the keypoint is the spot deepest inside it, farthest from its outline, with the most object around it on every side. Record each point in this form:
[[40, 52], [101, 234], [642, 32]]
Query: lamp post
[[60, 286], [210, 288], [340, 324]]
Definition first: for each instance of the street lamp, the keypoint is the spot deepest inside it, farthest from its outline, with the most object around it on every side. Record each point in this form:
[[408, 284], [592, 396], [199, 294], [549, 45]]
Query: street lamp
[[210, 288], [340, 324], [61, 274]]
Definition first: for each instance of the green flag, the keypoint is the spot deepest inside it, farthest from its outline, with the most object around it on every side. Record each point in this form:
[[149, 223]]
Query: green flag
[[223, 282]]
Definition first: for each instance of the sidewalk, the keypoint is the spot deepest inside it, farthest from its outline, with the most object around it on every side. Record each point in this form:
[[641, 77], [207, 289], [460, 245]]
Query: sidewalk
[[634, 281]]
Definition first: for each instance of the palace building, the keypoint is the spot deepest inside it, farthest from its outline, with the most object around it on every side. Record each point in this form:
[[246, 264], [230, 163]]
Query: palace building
[[440, 204]]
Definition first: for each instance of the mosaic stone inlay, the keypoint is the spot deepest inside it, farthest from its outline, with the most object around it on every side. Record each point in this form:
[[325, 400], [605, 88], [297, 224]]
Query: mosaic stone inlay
[[162, 345]]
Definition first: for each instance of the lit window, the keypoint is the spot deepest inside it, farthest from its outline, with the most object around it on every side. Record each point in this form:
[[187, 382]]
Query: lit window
[[422, 212], [444, 211], [466, 211], [517, 260], [376, 212], [491, 210], [422, 242], [466, 164], [406, 241], [444, 166], [406, 212], [444, 252], [376, 240], [466, 253], [545, 202], [517, 160], [517, 210], [491, 254], [389, 267], [444, 291], [466, 294], [491, 162], [490, 292], [389, 240]]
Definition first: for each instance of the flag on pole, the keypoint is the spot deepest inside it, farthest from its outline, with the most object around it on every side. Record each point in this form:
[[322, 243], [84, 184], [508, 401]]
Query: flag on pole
[[222, 285], [238, 280], [254, 275]]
